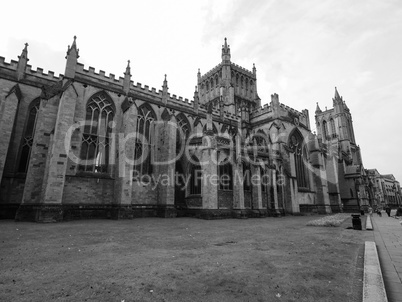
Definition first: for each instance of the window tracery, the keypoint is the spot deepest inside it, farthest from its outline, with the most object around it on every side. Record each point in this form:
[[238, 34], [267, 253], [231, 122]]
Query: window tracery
[[28, 137], [96, 137]]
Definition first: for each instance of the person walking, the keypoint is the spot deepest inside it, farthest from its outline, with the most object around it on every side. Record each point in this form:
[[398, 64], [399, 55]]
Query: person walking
[[388, 210]]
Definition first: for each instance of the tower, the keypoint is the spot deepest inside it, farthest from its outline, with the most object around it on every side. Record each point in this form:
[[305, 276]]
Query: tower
[[335, 127], [344, 165], [229, 87]]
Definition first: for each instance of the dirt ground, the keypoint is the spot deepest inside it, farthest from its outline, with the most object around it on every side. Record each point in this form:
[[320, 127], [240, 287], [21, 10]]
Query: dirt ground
[[182, 259]]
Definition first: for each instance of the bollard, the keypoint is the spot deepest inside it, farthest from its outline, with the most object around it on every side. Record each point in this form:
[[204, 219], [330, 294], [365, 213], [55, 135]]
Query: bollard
[[357, 223]]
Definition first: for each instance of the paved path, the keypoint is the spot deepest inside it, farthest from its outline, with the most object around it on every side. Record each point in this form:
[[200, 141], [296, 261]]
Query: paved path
[[388, 238]]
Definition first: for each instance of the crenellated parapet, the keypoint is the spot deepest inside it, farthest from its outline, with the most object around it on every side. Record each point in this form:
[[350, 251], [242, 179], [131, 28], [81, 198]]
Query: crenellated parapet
[[280, 111], [173, 99], [243, 70], [267, 109], [39, 72], [217, 115], [100, 76], [210, 73], [261, 110], [289, 109]]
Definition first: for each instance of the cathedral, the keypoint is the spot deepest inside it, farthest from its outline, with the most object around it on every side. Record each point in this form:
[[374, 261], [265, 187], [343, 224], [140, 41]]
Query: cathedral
[[90, 145]]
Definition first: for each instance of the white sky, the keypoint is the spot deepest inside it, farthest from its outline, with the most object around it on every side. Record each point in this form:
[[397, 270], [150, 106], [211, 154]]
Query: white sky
[[301, 49]]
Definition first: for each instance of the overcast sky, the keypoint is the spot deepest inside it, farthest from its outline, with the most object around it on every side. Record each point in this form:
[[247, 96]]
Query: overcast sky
[[301, 49]]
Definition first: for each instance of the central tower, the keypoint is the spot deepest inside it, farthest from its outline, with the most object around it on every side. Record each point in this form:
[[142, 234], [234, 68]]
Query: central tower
[[228, 87]]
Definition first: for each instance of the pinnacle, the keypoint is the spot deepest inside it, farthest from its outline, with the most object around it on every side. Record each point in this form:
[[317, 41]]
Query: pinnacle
[[337, 94], [318, 109]]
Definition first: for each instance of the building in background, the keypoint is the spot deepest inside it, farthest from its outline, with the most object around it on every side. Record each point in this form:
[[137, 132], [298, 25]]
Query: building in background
[[386, 189], [90, 145]]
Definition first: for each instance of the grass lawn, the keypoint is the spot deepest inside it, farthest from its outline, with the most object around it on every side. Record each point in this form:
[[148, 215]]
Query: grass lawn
[[182, 259]]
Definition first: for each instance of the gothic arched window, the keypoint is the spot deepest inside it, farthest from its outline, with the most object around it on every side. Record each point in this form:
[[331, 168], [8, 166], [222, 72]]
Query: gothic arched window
[[225, 175], [28, 137], [350, 131], [333, 129], [181, 136], [324, 129], [246, 176], [300, 152], [95, 146], [195, 177], [144, 140]]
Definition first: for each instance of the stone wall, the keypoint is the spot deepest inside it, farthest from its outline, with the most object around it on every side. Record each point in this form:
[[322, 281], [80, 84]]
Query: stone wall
[[247, 199], [225, 199], [88, 190], [144, 193], [194, 202]]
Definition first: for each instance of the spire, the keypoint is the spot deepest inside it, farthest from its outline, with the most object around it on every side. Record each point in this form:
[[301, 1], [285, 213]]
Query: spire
[[226, 52], [73, 48], [254, 69], [165, 91], [127, 78], [128, 69], [24, 54], [336, 94], [337, 98], [318, 109], [22, 62], [165, 86], [72, 57]]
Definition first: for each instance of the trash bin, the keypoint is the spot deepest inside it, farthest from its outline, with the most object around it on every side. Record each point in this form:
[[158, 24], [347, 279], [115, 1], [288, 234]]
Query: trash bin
[[357, 223]]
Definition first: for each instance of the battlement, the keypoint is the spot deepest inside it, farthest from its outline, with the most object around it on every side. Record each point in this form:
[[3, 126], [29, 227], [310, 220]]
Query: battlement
[[330, 110], [229, 115], [180, 101], [287, 108], [145, 88], [100, 76], [262, 110], [38, 72], [226, 115], [242, 69], [138, 86], [111, 78], [216, 113], [12, 65], [211, 72]]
